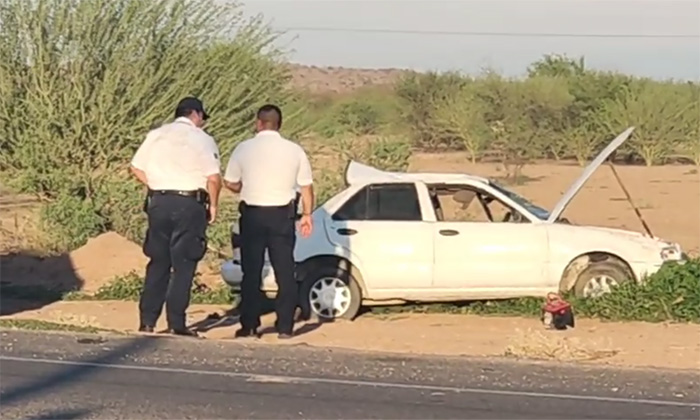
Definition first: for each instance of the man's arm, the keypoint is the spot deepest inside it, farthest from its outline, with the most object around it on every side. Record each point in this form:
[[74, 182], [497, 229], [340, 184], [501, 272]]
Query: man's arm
[[232, 176], [305, 182], [211, 165], [307, 199], [140, 159]]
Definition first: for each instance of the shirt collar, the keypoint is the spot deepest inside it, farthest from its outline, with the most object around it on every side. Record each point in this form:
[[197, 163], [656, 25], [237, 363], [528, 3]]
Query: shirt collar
[[268, 133], [184, 120]]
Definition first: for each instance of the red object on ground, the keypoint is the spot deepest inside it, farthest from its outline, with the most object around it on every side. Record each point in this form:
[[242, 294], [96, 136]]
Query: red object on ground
[[555, 304], [557, 313]]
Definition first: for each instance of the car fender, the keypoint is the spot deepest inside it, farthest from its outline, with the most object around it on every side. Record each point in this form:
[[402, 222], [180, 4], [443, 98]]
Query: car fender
[[569, 242]]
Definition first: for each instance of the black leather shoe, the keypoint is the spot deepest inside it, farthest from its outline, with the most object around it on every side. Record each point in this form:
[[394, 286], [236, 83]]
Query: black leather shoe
[[247, 332], [284, 336], [145, 329], [184, 332]]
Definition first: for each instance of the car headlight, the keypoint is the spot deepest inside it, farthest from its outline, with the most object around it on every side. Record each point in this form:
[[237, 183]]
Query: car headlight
[[671, 253]]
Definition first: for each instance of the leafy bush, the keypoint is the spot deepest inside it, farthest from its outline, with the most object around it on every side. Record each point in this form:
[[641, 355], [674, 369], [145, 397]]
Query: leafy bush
[[69, 222], [562, 110], [366, 112], [81, 82], [459, 120], [665, 114], [420, 93], [129, 288], [671, 294]]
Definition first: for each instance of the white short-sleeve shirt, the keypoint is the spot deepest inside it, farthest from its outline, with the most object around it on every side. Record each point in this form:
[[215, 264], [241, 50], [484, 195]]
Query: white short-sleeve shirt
[[271, 169], [178, 156]]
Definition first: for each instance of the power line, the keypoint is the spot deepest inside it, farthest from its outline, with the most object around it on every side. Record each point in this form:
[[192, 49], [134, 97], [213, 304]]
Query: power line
[[486, 34]]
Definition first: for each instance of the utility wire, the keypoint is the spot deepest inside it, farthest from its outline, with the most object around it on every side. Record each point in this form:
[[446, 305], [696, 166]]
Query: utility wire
[[486, 34]]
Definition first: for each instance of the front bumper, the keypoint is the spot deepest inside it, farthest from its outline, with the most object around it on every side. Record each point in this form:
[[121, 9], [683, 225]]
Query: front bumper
[[232, 275]]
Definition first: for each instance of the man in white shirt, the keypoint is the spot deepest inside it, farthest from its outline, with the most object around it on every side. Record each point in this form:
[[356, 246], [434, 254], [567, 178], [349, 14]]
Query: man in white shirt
[[179, 163], [267, 170]]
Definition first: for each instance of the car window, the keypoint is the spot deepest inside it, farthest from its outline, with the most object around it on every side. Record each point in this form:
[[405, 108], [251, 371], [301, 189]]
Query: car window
[[462, 204], [387, 202]]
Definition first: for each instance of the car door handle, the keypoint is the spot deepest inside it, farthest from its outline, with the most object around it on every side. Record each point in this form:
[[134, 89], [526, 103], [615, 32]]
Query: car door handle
[[448, 232], [346, 232]]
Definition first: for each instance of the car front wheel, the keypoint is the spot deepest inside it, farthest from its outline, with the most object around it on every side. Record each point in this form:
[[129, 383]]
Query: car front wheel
[[330, 293], [600, 278]]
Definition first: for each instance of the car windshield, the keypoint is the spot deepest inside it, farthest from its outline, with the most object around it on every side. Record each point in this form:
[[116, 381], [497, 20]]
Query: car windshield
[[537, 211]]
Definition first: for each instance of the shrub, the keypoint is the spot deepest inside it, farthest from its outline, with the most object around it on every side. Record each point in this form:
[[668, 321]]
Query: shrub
[[362, 113], [69, 222], [129, 287], [459, 121], [665, 114], [419, 94], [671, 294], [81, 82]]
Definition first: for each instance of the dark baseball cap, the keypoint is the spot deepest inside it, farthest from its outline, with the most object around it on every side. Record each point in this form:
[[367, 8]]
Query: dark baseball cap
[[190, 104]]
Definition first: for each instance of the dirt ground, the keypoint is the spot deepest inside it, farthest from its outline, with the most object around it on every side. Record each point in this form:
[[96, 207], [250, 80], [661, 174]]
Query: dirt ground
[[668, 198], [671, 346]]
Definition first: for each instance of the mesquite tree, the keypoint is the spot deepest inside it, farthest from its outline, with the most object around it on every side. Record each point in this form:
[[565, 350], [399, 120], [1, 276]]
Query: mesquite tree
[[82, 81]]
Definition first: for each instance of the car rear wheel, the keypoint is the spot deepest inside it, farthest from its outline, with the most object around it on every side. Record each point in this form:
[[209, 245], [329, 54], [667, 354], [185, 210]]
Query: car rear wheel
[[329, 293], [600, 278]]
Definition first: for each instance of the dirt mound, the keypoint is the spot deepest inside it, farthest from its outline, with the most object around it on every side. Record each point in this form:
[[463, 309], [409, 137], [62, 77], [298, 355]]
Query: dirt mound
[[105, 257], [87, 268]]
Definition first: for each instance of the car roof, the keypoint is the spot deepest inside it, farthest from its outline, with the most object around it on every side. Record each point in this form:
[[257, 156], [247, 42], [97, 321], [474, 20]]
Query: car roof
[[358, 173]]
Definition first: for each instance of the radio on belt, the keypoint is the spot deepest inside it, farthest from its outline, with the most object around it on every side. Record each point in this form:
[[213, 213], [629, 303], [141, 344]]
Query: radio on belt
[[557, 313]]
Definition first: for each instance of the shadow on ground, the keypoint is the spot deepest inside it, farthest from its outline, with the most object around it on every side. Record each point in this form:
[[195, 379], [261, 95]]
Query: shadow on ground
[[71, 374], [231, 317], [29, 281]]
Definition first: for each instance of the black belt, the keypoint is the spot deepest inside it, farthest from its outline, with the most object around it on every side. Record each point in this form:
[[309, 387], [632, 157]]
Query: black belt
[[202, 196], [182, 193]]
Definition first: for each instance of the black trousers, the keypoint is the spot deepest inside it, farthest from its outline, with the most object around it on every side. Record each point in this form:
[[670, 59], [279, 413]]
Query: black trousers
[[176, 240], [270, 228]]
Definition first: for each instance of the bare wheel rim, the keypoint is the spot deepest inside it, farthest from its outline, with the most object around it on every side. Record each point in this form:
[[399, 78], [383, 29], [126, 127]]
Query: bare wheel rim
[[599, 285], [329, 297]]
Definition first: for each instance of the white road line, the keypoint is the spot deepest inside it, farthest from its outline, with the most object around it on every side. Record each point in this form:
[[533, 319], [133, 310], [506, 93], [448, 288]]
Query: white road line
[[284, 379]]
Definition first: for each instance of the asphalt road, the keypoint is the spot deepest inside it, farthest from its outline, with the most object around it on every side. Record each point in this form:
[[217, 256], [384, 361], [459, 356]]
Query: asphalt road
[[52, 376]]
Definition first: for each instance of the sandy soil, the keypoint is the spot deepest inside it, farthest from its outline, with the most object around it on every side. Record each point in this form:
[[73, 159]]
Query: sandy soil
[[675, 346], [667, 196]]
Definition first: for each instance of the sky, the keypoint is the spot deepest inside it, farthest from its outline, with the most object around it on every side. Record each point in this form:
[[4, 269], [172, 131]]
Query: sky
[[449, 35]]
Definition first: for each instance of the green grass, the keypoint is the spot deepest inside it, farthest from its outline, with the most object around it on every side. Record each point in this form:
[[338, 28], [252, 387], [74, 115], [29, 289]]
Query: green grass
[[671, 294], [37, 325]]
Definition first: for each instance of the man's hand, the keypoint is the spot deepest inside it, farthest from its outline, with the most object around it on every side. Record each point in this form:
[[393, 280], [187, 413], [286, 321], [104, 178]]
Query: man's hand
[[306, 225], [212, 214]]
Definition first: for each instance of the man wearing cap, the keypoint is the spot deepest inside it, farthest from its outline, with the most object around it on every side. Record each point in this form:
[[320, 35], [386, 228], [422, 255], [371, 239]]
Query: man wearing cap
[[267, 170], [179, 163]]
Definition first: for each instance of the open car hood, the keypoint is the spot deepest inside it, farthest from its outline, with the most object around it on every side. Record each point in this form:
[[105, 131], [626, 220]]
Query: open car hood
[[595, 164]]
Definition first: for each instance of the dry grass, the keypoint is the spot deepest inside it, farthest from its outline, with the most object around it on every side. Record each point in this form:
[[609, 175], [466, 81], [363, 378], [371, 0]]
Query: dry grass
[[556, 345]]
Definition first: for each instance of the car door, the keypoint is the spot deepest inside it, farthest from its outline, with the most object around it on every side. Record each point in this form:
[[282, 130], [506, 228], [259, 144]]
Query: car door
[[383, 228], [495, 257]]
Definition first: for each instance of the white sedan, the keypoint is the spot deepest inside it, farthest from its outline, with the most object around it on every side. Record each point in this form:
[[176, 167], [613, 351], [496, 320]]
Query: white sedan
[[429, 237]]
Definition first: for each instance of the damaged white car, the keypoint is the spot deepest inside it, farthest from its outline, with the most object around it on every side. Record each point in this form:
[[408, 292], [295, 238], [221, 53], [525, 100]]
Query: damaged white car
[[429, 237]]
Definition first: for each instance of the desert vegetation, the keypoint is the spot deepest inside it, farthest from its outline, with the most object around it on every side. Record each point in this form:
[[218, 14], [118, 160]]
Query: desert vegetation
[[81, 82]]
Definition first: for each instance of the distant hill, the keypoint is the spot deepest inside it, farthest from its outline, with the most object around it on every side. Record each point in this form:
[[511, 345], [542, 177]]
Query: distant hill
[[340, 80]]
